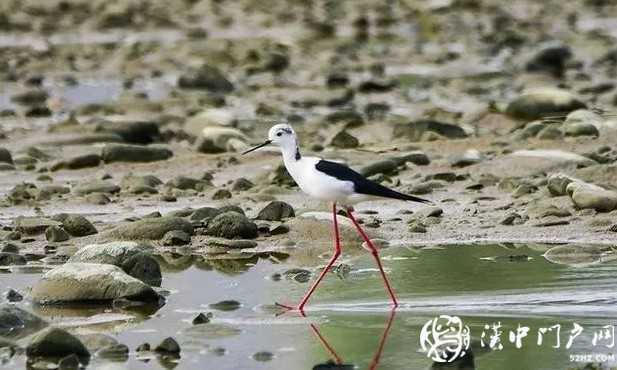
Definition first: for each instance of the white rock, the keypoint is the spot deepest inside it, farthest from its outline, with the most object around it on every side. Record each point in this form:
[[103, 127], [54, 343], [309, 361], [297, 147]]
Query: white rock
[[585, 195], [81, 282]]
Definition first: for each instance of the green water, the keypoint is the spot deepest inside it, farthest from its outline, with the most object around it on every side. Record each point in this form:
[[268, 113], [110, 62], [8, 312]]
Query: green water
[[351, 314]]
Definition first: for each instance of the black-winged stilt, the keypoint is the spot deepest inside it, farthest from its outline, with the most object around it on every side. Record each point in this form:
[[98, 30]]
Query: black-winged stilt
[[334, 182]]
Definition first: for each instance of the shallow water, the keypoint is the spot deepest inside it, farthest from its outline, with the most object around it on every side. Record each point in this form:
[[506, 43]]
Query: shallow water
[[483, 284]]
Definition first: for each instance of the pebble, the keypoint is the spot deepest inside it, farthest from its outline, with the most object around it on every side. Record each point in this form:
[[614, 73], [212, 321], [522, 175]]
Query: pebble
[[202, 318], [169, 347], [134, 153], [55, 234], [232, 225], [276, 211], [76, 225], [176, 237], [227, 305], [263, 356], [13, 296], [55, 342]]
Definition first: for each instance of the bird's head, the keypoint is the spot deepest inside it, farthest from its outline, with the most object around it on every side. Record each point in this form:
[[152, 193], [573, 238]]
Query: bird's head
[[282, 135]]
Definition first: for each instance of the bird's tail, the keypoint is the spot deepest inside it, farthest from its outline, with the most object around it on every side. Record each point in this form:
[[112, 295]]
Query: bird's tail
[[411, 198], [373, 188]]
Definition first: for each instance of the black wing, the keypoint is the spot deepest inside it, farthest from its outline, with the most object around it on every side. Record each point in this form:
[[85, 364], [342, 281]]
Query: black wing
[[361, 184]]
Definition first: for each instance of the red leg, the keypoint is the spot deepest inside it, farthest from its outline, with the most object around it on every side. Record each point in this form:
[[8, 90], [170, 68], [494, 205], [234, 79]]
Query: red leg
[[335, 256], [382, 342], [375, 254]]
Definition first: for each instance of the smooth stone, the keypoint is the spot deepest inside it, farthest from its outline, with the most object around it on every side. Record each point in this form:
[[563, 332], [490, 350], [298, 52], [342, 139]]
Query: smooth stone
[[17, 323], [176, 237], [242, 184], [221, 194], [34, 225], [227, 305], [576, 255], [184, 183], [137, 132], [12, 259], [538, 103], [431, 211], [202, 319], [216, 139], [144, 267], [90, 282], [76, 225], [168, 346], [5, 156], [134, 153], [149, 228], [418, 130], [344, 140], [232, 225], [524, 163], [55, 342], [276, 211], [95, 186], [216, 117], [56, 234], [205, 214], [77, 162], [207, 78], [557, 184], [112, 253], [470, 157], [591, 196], [13, 296]]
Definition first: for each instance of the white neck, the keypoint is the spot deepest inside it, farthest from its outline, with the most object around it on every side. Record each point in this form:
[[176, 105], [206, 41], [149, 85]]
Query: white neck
[[290, 151]]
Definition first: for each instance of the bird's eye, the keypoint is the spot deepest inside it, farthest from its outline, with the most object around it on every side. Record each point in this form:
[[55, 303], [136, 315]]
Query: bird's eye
[[279, 134]]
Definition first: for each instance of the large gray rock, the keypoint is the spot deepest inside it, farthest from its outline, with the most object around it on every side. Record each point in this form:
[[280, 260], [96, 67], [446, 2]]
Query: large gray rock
[[112, 253], [11, 259], [344, 140], [140, 184], [232, 225], [138, 132], [539, 103], [582, 122], [144, 267], [586, 195], [76, 225], [417, 130], [216, 139], [184, 183], [134, 153], [16, 323], [557, 184], [206, 78], [55, 342], [95, 186], [77, 162], [134, 258], [523, 163], [276, 211], [34, 225], [5, 156], [207, 118], [149, 228], [90, 282]]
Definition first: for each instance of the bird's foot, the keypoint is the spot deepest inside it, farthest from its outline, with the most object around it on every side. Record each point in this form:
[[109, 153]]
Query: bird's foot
[[288, 308]]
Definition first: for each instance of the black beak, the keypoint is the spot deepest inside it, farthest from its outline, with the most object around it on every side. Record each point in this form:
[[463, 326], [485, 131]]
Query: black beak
[[257, 147]]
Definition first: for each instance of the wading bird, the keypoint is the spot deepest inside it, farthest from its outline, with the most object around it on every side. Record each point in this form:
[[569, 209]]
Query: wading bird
[[333, 182]]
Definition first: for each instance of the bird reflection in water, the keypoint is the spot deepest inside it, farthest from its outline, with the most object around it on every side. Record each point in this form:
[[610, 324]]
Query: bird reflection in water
[[336, 361]]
